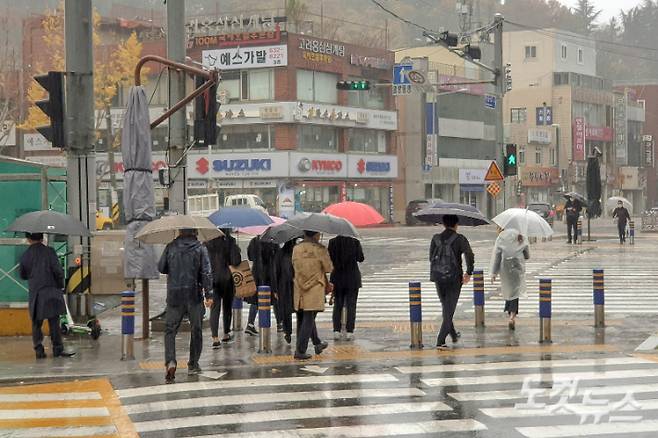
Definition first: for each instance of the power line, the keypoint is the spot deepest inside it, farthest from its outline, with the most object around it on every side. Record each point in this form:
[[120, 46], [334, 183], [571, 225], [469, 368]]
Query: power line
[[404, 20]]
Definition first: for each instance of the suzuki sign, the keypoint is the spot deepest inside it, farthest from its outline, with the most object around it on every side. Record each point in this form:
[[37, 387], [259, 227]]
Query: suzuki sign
[[238, 165]]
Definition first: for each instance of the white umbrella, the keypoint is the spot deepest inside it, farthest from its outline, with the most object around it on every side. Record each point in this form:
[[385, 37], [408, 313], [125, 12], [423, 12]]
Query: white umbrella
[[529, 223], [166, 229], [611, 203]]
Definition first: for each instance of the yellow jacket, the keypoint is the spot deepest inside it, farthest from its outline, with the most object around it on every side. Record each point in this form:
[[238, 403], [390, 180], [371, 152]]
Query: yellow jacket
[[311, 263]]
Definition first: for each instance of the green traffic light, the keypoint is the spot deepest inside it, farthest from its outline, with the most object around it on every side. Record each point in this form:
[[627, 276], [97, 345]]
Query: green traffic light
[[511, 160]]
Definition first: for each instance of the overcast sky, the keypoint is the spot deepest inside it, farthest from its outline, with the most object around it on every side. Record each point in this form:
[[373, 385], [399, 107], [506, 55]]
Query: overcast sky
[[610, 7]]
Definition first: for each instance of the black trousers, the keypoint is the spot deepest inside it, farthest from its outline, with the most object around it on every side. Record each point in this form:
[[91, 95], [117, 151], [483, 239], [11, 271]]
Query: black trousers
[[175, 314], [621, 227], [286, 320], [572, 224], [512, 306], [55, 335], [449, 296], [345, 297], [222, 299], [306, 330]]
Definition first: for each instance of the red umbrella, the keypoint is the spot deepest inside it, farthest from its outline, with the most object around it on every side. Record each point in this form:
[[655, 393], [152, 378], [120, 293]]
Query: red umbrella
[[361, 215]]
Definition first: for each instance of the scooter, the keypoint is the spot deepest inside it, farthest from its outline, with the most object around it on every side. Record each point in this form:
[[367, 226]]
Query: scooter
[[70, 327]]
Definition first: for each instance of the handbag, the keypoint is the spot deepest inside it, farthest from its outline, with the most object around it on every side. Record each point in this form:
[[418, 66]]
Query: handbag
[[243, 280]]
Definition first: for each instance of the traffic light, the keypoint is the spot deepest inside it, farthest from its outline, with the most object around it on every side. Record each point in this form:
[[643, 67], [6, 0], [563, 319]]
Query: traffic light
[[353, 85], [449, 39], [511, 160], [53, 107], [473, 52], [508, 77], [205, 114]]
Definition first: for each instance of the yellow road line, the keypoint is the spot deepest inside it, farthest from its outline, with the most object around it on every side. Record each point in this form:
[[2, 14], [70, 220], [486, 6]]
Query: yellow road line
[[53, 404], [56, 422]]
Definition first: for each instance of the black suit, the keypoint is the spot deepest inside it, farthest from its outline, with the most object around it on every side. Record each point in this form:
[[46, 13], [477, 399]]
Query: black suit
[[346, 254]]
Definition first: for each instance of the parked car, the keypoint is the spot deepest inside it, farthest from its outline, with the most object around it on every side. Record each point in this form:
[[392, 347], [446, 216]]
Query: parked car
[[417, 205], [247, 200], [544, 210]]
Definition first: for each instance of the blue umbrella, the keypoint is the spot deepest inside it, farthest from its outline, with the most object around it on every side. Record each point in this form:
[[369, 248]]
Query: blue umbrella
[[239, 217]]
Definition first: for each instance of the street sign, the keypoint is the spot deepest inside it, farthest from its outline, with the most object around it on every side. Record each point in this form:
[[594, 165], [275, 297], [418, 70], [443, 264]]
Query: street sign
[[493, 189], [416, 77], [489, 101], [401, 90], [494, 173], [401, 83]]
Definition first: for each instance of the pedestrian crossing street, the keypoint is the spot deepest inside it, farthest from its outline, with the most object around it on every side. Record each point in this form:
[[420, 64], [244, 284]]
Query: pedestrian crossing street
[[529, 397]]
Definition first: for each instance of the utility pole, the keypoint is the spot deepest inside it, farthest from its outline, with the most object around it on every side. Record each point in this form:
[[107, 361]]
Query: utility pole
[[177, 122], [81, 186], [500, 92]]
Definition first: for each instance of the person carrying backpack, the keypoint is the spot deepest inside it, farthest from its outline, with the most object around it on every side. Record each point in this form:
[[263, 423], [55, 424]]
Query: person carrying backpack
[[446, 271]]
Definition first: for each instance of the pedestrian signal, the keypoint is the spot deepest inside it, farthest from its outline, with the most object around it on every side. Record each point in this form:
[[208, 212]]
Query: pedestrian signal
[[511, 160]]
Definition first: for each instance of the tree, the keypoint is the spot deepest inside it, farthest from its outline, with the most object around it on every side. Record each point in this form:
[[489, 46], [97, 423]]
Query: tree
[[587, 15], [8, 81], [296, 11]]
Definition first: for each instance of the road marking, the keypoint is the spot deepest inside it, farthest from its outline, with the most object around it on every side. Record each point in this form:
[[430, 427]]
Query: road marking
[[566, 409], [289, 414], [248, 399], [67, 431], [540, 392], [314, 369], [215, 375], [254, 383], [16, 398], [577, 430]]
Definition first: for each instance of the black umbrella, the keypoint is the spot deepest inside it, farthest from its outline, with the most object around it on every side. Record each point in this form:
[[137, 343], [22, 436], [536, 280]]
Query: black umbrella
[[323, 223], [577, 196], [593, 187], [49, 222], [467, 214], [281, 233]]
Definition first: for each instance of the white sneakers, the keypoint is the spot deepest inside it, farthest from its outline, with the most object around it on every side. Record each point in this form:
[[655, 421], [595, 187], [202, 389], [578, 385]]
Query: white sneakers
[[337, 336]]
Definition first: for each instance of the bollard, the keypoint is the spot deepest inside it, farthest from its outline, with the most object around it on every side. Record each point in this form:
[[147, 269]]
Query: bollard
[[631, 232], [599, 298], [343, 319], [264, 319], [237, 314], [478, 297], [127, 324], [545, 310], [579, 231], [415, 315]]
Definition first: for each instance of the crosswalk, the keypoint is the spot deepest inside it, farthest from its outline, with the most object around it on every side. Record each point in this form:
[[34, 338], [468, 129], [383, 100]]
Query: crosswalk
[[525, 398]]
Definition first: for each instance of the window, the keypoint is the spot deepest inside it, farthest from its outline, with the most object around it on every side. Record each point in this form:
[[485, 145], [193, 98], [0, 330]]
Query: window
[[315, 86], [561, 78], [246, 137], [521, 155], [373, 98], [242, 85], [642, 103], [519, 115], [530, 52], [581, 56], [317, 138], [537, 156], [551, 152], [367, 141], [564, 52]]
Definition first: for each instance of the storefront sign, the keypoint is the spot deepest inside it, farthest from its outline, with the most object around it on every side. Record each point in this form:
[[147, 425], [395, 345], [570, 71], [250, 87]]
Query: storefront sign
[[538, 135], [36, 142], [244, 58], [235, 39], [197, 184], [238, 165], [103, 168], [227, 184], [370, 61], [598, 133], [271, 112], [286, 201], [318, 165], [317, 57], [621, 123], [647, 151], [579, 139], [456, 83], [321, 47], [260, 183], [629, 178], [372, 166], [342, 116], [539, 176], [228, 24], [472, 176]]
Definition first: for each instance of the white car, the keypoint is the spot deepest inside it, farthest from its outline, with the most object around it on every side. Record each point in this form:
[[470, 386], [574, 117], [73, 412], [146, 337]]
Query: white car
[[252, 201]]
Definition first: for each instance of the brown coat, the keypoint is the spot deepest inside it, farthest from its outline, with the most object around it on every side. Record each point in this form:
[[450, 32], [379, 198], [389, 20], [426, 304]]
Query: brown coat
[[311, 263]]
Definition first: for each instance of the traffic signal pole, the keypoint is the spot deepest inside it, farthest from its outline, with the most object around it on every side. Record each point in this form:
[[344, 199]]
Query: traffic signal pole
[[81, 161], [500, 92]]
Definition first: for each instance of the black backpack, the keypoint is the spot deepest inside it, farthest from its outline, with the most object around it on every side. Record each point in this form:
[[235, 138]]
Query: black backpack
[[444, 266]]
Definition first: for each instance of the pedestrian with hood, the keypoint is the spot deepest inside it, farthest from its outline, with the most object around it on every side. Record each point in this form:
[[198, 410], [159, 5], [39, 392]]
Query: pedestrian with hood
[[346, 254], [223, 252], [623, 216], [510, 253], [311, 263], [284, 284], [186, 263], [261, 254], [40, 266], [572, 211], [446, 271]]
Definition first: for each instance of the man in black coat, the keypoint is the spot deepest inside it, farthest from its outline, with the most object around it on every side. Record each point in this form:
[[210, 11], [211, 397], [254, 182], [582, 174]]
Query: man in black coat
[[572, 210], [224, 252], [449, 279], [346, 254], [186, 263], [623, 216], [40, 266], [283, 282], [261, 254]]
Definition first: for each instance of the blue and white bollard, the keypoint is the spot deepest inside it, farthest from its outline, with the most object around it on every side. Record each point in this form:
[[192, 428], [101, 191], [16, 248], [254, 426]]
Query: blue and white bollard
[[478, 297], [579, 231], [545, 286], [631, 232], [127, 324], [237, 314], [599, 298], [415, 315], [264, 319]]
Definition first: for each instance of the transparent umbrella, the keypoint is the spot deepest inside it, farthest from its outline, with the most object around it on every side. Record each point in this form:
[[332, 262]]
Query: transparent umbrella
[[527, 222]]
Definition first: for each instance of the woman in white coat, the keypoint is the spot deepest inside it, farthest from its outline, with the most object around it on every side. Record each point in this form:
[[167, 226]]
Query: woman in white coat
[[509, 256]]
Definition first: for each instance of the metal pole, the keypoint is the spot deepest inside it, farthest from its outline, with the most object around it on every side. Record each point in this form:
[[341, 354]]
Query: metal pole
[[599, 298], [478, 297], [415, 315], [264, 319], [127, 324], [146, 321], [237, 314], [177, 123], [545, 310], [631, 232], [500, 92]]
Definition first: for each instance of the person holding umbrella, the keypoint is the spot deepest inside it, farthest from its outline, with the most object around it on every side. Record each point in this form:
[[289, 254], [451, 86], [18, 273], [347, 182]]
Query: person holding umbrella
[[186, 263], [623, 216], [40, 266], [572, 210], [508, 260], [346, 254], [261, 254], [284, 285], [223, 252]]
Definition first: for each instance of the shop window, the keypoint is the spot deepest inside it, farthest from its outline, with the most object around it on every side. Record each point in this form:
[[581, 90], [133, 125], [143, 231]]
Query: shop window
[[373, 98], [368, 141], [537, 156], [315, 86], [246, 137], [530, 52], [254, 85], [519, 115], [316, 199], [318, 138]]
